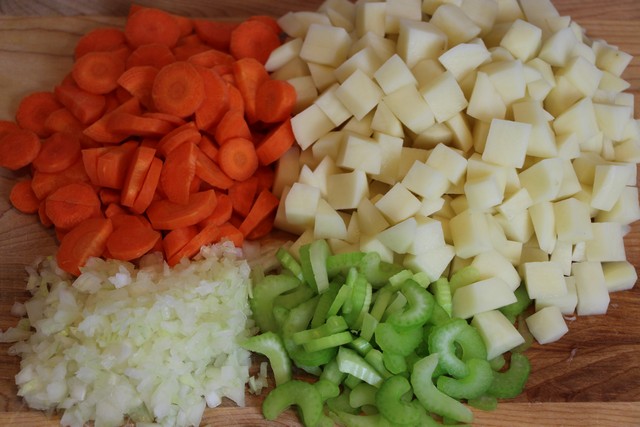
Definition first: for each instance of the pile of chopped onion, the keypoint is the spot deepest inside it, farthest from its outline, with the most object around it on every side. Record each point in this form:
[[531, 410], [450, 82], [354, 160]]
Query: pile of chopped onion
[[147, 343]]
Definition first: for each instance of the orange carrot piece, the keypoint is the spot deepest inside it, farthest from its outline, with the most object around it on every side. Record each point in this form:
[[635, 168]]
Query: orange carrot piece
[[266, 176], [232, 125], [23, 198], [253, 39], [112, 165], [242, 195], [178, 173], [178, 89], [275, 100], [34, 109], [44, 184], [61, 120], [264, 205], [186, 50], [249, 74], [131, 239], [85, 106], [275, 143], [90, 162], [136, 174], [167, 215], [236, 102], [42, 215], [99, 39], [138, 81], [7, 126], [100, 131], [185, 24], [270, 21], [150, 25], [114, 209], [58, 152], [216, 34], [210, 172], [222, 212], [206, 236], [153, 54], [71, 204], [149, 186], [180, 135], [175, 239], [238, 159], [208, 147], [98, 72], [170, 118], [263, 228], [211, 57], [216, 99], [88, 239], [137, 125], [230, 232], [109, 196], [18, 149]]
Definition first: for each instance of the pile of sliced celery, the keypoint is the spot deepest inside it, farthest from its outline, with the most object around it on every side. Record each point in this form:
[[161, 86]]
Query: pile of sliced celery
[[384, 348]]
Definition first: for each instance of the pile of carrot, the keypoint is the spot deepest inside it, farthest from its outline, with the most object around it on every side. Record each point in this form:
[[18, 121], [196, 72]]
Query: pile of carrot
[[162, 137]]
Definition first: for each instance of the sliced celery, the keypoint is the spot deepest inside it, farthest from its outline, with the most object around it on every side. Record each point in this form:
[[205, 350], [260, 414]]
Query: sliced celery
[[391, 405], [264, 294], [294, 392], [270, 344], [418, 309], [352, 363]]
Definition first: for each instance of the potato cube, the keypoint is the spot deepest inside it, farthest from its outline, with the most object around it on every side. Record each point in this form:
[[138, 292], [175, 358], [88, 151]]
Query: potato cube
[[382, 46], [433, 262], [547, 325], [461, 131], [507, 143], [408, 156], [612, 119], [482, 12], [426, 70], [591, 286], [325, 44], [394, 74], [483, 193], [428, 235], [543, 219], [497, 332], [370, 218], [296, 24], [584, 75], [543, 179], [359, 94], [464, 58], [566, 303], [399, 236], [580, 119], [610, 58], [436, 134], [301, 204], [365, 60], [309, 125], [517, 202], [398, 204], [544, 279], [444, 97], [452, 20], [481, 296], [385, 122], [448, 161], [391, 152], [485, 103], [306, 92], [331, 106], [626, 209], [401, 10], [619, 275], [573, 220], [523, 40], [370, 18], [425, 181], [608, 183], [493, 264], [372, 244], [322, 75], [359, 152], [410, 108], [470, 233], [418, 40], [328, 223], [607, 243], [557, 49], [345, 190], [283, 54], [518, 228], [508, 79]]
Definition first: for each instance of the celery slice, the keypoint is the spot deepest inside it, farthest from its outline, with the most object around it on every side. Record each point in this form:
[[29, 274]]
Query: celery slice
[[390, 404], [352, 363], [294, 392], [473, 385], [264, 294], [270, 344]]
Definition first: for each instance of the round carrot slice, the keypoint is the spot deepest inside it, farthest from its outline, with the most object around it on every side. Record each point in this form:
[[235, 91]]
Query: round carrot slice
[[87, 239], [18, 148], [149, 25], [178, 89], [58, 152], [71, 204]]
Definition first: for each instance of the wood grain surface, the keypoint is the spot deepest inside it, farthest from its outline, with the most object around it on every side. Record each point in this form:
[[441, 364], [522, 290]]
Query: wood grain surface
[[589, 378]]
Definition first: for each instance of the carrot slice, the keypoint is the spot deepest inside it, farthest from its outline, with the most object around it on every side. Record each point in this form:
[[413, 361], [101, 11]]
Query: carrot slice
[[275, 143], [236, 102], [136, 174], [98, 72], [18, 149], [167, 215], [178, 89], [264, 205], [42, 215], [238, 159], [249, 74], [180, 135], [71, 204], [230, 232], [131, 240], [99, 39], [153, 54], [216, 99], [232, 125], [58, 152], [211, 57], [253, 39], [206, 236], [242, 195], [210, 172], [112, 165], [109, 196], [87, 239], [266, 177], [90, 161], [222, 213], [275, 100], [136, 125], [44, 184], [150, 25], [138, 81], [263, 228], [175, 239], [100, 131], [149, 186], [114, 209], [174, 120], [208, 147], [61, 120], [23, 198], [216, 34], [7, 126], [178, 173], [85, 106], [34, 109]]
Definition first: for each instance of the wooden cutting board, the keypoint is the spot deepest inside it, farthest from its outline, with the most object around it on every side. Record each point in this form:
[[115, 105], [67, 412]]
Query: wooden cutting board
[[590, 377]]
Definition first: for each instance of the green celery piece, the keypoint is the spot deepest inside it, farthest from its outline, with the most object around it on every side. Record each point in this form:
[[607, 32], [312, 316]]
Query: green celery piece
[[376, 271], [439, 315], [359, 302], [342, 262], [397, 304], [343, 295], [362, 394], [399, 278], [329, 341], [299, 317], [361, 345], [394, 362], [352, 363], [351, 381], [422, 278], [327, 389], [376, 359], [526, 334], [270, 344], [442, 291], [369, 324], [295, 297], [340, 403], [333, 325], [473, 385], [463, 277], [264, 294], [430, 397], [418, 309], [391, 405], [443, 340], [510, 383], [289, 263], [353, 420], [498, 362], [294, 392], [383, 298], [485, 403], [522, 302], [471, 344], [318, 253], [330, 372], [324, 303], [309, 359], [402, 341]]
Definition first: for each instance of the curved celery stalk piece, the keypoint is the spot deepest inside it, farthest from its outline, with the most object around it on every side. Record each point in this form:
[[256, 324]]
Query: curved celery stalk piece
[[510, 383], [463, 277], [473, 385], [327, 389], [341, 263], [442, 292], [295, 297], [264, 294], [376, 359], [363, 394], [289, 263], [401, 341], [430, 397], [313, 261], [390, 404], [295, 392], [353, 420], [330, 372], [361, 345], [324, 303], [439, 315], [419, 306], [352, 363], [340, 403], [522, 302], [376, 271], [443, 339], [270, 344], [329, 341], [484, 402], [333, 325], [394, 362]]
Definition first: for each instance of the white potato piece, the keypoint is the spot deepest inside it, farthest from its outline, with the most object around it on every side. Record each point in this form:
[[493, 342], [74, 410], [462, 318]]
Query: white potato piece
[[365, 60], [483, 193], [523, 40], [507, 143], [385, 122], [557, 49], [283, 54], [619, 275], [428, 235], [452, 20], [309, 125], [325, 44], [370, 18], [418, 40], [328, 224], [394, 74], [580, 119], [433, 262], [361, 153], [399, 236], [515, 203], [372, 244], [410, 108], [301, 204], [508, 79], [306, 91], [566, 303], [544, 279], [444, 97], [345, 190], [485, 102], [401, 10], [296, 24], [359, 94], [470, 233], [462, 59], [391, 151], [607, 243], [626, 209], [332, 106], [610, 58], [543, 219], [461, 131], [448, 161], [323, 75], [497, 332], [481, 296], [482, 12], [518, 228], [493, 264], [612, 119], [370, 219], [543, 179], [584, 75], [425, 181], [572, 220], [547, 325], [591, 286], [398, 204], [609, 181]]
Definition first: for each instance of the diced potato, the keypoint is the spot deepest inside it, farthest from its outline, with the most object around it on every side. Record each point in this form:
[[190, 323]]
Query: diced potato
[[398, 204], [433, 262], [325, 44], [619, 275], [428, 235], [462, 136], [483, 193], [283, 54], [448, 161], [561, 96], [509, 11], [579, 119], [370, 218], [544, 279], [401, 10], [353, 227], [608, 183], [547, 325], [610, 58], [470, 233], [394, 74], [478, 168], [557, 49], [370, 18], [462, 59], [584, 75], [481, 296], [482, 12], [399, 236], [593, 295], [508, 79], [391, 151], [296, 24], [543, 179], [426, 70], [518, 228], [361, 153], [431, 206], [306, 92], [573, 220], [566, 303], [331, 106], [452, 20], [444, 97], [418, 40], [425, 181], [372, 244], [570, 183], [365, 60], [507, 142], [626, 209], [345, 190], [539, 13], [385, 122], [493, 264], [410, 108], [287, 170], [323, 75], [607, 243], [485, 102], [359, 94], [517, 202], [328, 145], [439, 133], [543, 219], [384, 47], [523, 40], [568, 146], [497, 332], [612, 119], [309, 125], [301, 204], [328, 223]]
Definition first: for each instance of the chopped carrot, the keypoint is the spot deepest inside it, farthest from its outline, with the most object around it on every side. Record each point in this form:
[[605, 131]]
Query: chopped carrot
[[232, 125], [90, 162], [138, 81], [208, 147], [23, 198], [222, 212], [264, 205], [42, 215], [166, 215], [275, 100], [275, 143], [136, 174], [210, 172], [178, 89], [109, 196], [100, 131], [235, 99], [44, 183], [112, 165], [18, 149], [216, 99], [211, 57], [99, 39], [150, 25], [185, 24], [85, 106], [249, 74], [269, 21], [230, 232], [58, 152], [263, 228], [175, 239], [114, 209], [88, 239], [98, 72], [34, 109], [174, 120], [71, 204], [180, 135], [238, 159], [131, 239], [242, 195], [153, 54], [216, 34], [137, 125], [206, 236], [253, 39], [266, 177], [61, 120], [149, 186], [185, 51], [7, 126], [178, 173]]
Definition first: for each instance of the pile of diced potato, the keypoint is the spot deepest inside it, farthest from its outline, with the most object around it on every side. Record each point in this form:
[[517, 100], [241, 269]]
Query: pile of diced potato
[[441, 134]]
